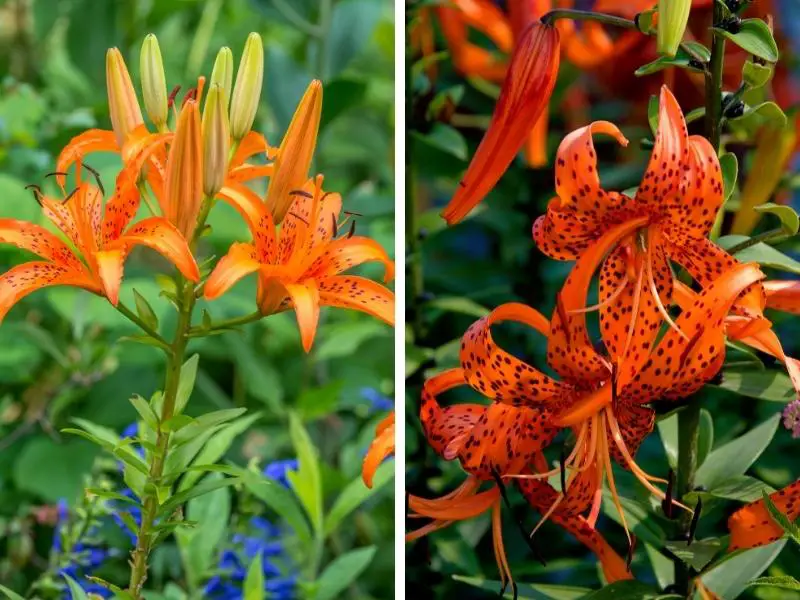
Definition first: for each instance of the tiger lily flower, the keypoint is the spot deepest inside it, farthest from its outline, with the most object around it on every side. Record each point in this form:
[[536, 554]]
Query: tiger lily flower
[[490, 442], [752, 525], [99, 240], [301, 266], [381, 447], [675, 207], [600, 398]]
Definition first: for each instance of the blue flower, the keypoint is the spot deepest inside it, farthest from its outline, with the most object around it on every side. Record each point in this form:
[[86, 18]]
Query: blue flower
[[378, 402], [278, 469]]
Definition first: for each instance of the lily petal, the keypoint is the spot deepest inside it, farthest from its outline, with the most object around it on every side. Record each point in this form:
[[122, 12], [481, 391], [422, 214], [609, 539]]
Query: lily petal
[[305, 300], [110, 265], [358, 293], [381, 447], [346, 253], [239, 262], [752, 526], [94, 140], [258, 218], [37, 239], [447, 427], [26, 278], [163, 237], [253, 143], [695, 208]]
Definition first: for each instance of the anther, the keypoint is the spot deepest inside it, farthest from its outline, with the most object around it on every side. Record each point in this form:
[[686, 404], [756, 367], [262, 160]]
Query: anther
[[631, 550], [172, 95], [70, 195], [695, 521], [37, 192], [531, 544], [667, 504], [94, 172], [335, 226], [352, 229], [302, 193], [563, 462]]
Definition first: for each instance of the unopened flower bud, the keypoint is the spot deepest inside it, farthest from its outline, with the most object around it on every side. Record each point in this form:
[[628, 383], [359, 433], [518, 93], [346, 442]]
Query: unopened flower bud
[[296, 152], [184, 178], [524, 96], [123, 106], [673, 15], [222, 74], [216, 141], [154, 83], [247, 91]]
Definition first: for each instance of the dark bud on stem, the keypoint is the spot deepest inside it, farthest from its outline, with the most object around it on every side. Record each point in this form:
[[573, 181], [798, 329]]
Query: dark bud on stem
[[695, 521], [667, 505], [731, 24], [734, 109]]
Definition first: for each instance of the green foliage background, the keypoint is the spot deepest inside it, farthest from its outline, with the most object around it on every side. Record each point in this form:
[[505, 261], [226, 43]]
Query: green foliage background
[[59, 358]]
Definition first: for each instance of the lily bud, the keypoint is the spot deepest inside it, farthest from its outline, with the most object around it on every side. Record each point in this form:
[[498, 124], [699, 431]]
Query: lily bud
[[216, 141], [122, 103], [247, 91], [524, 96], [184, 178], [222, 74], [673, 15], [296, 151], [154, 83]]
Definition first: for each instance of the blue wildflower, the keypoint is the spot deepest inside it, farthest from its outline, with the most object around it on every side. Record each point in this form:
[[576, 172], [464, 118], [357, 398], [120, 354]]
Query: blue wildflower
[[278, 469], [378, 402]]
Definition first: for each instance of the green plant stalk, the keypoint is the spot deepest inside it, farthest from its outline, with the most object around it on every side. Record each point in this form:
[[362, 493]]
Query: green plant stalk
[[688, 428], [714, 84], [175, 360]]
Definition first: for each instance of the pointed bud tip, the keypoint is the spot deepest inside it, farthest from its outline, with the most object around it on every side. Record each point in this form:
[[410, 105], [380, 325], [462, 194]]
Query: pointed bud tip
[[154, 82], [247, 89]]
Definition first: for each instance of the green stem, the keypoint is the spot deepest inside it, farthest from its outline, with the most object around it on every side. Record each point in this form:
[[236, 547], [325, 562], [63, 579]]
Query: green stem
[[688, 427], [587, 15], [134, 318], [289, 13], [226, 324], [323, 28], [714, 84], [416, 278], [772, 234]]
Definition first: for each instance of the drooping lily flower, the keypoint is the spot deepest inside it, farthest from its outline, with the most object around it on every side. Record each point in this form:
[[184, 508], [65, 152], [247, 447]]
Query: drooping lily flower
[[301, 266], [98, 245], [490, 442], [381, 447], [753, 526], [600, 397]]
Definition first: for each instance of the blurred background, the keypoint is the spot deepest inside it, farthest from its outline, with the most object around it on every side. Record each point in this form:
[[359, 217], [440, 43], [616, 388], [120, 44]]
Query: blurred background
[[59, 359], [459, 273]]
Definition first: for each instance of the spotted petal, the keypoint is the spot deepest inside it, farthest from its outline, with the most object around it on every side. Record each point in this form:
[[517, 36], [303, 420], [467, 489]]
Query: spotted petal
[[357, 293], [26, 278]]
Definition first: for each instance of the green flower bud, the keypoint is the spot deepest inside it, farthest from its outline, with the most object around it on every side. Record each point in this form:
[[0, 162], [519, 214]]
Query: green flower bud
[[673, 15], [247, 90], [154, 83], [123, 106], [222, 74], [216, 140]]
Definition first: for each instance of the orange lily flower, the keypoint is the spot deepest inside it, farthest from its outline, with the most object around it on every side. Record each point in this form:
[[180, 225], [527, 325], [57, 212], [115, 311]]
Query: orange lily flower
[[381, 447], [752, 525], [100, 242], [301, 267], [489, 442]]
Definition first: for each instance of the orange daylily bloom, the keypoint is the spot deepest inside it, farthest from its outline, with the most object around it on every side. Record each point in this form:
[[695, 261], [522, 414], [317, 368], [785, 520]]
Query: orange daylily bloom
[[524, 96], [489, 442], [301, 266], [381, 447], [99, 239], [752, 525]]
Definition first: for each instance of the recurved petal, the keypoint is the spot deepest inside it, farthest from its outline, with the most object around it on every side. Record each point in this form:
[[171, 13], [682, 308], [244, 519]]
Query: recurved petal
[[163, 237], [252, 144], [525, 93], [577, 179], [358, 293], [256, 215], [305, 300], [663, 176], [381, 447], [110, 265], [753, 526], [36, 239], [495, 373], [635, 424], [248, 172], [487, 18], [783, 295], [345, 253], [26, 278], [239, 262], [94, 140], [447, 427]]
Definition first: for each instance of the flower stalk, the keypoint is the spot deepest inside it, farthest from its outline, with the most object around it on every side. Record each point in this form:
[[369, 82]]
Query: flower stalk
[[688, 429]]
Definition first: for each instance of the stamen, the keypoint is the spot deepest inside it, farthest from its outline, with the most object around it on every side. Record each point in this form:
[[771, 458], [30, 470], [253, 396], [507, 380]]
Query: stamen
[[333, 223], [352, 213], [520, 525], [303, 193], [666, 504], [94, 172], [37, 192], [631, 550], [563, 314], [637, 295], [299, 218], [563, 473], [547, 514], [614, 295], [352, 229], [70, 195], [695, 521], [606, 455], [172, 95], [657, 296], [597, 502], [55, 173]]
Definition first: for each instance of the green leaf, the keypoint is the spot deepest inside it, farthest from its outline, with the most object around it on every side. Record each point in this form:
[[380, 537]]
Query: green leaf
[[741, 488], [681, 59], [697, 554], [261, 379], [766, 112], [318, 401], [652, 114], [279, 499], [781, 519], [122, 452], [355, 494], [35, 471], [668, 432], [351, 28], [254, 582], [204, 487], [306, 481], [199, 545], [186, 383], [705, 436], [527, 591], [343, 571], [109, 495], [10, 595], [341, 95], [145, 311], [790, 222], [458, 304], [730, 171], [770, 385], [445, 138], [145, 411], [177, 423], [761, 253], [782, 582], [755, 75], [754, 37], [77, 591], [735, 457], [624, 590], [731, 575]]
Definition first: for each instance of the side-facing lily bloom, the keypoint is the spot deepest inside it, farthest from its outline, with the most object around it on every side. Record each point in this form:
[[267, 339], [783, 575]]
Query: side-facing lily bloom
[[381, 447], [99, 242], [752, 525], [675, 207], [302, 266], [524, 95], [491, 441], [602, 398]]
